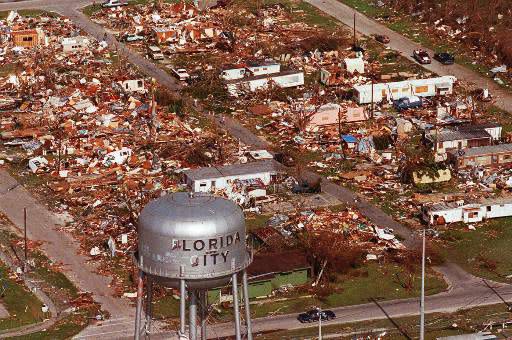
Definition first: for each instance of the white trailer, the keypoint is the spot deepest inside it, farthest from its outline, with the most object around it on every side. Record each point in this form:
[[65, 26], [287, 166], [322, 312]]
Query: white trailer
[[467, 212], [395, 90]]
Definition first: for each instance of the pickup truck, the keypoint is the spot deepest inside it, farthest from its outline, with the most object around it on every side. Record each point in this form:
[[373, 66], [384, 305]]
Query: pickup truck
[[406, 103], [181, 74]]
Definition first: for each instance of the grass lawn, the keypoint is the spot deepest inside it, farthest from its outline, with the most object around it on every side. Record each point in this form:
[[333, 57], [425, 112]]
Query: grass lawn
[[23, 306], [371, 281], [485, 252], [436, 325], [31, 13]]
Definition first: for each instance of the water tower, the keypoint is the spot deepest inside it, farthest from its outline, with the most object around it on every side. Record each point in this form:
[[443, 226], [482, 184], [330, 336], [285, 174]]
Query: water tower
[[194, 242]]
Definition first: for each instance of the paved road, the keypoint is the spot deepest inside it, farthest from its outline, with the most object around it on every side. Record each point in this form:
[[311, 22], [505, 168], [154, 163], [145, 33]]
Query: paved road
[[465, 293], [59, 246], [367, 26]]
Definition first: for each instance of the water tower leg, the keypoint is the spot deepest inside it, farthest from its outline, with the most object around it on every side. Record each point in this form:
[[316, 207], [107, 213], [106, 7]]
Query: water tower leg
[[204, 310], [246, 302], [138, 311], [149, 305], [183, 294], [236, 309], [193, 314]]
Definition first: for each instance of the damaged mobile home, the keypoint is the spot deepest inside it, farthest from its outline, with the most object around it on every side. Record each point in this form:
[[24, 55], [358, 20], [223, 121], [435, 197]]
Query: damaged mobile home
[[467, 212], [379, 92]]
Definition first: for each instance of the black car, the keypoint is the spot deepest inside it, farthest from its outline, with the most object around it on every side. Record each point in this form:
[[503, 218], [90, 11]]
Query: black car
[[304, 187], [314, 314], [444, 58]]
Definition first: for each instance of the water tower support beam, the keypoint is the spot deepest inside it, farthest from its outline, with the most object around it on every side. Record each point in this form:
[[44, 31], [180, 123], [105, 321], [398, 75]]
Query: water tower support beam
[[246, 304], [204, 312], [149, 305], [183, 295], [236, 309], [138, 311], [193, 315]]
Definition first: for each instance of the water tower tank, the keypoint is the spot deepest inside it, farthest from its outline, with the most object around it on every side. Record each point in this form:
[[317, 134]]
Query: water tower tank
[[198, 238]]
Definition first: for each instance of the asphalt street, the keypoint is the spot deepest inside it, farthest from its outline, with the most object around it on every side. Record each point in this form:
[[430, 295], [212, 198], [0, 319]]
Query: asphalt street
[[466, 291]]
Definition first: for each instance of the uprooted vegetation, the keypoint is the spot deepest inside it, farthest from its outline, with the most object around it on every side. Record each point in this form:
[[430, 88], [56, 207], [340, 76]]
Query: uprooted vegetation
[[483, 25]]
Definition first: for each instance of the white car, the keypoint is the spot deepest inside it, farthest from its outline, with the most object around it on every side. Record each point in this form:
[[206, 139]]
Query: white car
[[114, 3], [181, 74], [133, 37]]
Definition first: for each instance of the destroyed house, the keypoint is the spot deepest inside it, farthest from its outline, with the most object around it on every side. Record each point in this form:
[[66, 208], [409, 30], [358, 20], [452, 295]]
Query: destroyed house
[[467, 212], [28, 38], [332, 76], [484, 156], [330, 114], [70, 45], [283, 79], [459, 139], [269, 272], [222, 177], [430, 87], [165, 34]]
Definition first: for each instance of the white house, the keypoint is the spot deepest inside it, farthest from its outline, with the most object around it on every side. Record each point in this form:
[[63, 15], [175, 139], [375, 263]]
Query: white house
[[70, 45], [395, 90], [283, 79], [467, 212], [459, 139], [213, 178], [133, 85]]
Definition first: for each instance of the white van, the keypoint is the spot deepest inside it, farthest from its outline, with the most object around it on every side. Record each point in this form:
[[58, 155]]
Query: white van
[[155, 53]]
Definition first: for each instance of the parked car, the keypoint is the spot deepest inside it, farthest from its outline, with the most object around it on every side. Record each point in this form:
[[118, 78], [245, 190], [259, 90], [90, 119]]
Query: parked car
[[304, 187], [406, 103], [132, 37], [315, 314], [180, 73], [444, 58], [114, 3], [155, 53], [382, 38], [421, 56]]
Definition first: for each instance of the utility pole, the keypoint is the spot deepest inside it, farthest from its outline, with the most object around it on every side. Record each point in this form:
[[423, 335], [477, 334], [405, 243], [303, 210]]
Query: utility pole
[[354, 29], [25, 238], [422, 303], [372, 108]]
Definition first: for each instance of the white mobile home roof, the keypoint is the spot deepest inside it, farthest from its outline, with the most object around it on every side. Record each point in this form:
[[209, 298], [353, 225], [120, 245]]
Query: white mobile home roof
[[269, 165]]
